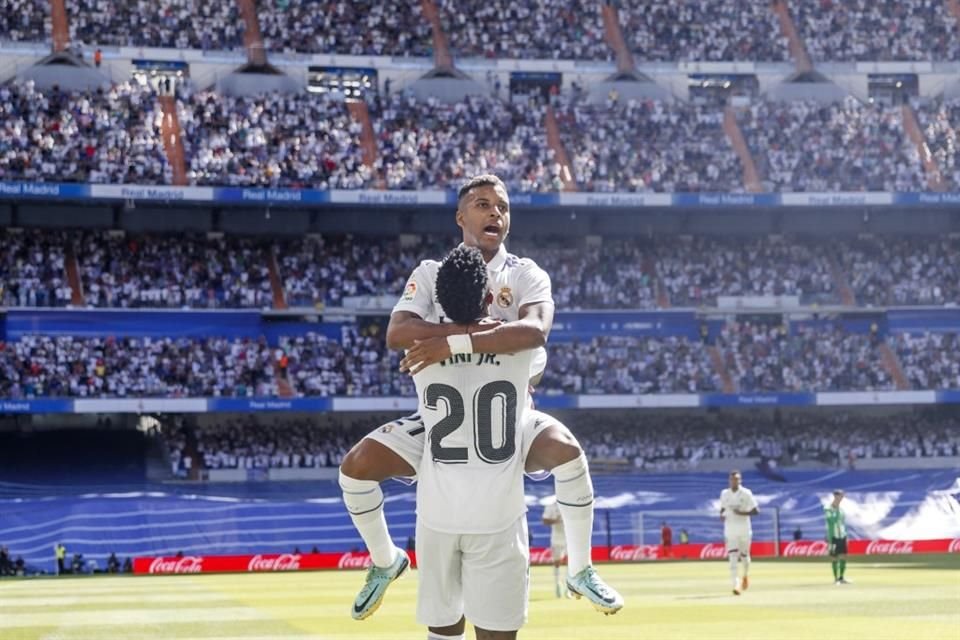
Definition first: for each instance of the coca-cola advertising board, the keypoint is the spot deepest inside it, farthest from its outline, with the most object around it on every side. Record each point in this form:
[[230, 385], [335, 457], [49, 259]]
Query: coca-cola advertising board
[[280, 562]]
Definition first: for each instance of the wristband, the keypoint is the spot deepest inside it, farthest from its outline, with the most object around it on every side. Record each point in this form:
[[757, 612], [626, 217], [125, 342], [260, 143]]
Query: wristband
[[460, 343]]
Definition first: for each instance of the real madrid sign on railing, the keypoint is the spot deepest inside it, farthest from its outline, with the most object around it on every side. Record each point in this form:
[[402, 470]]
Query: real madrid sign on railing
[[300, 197]]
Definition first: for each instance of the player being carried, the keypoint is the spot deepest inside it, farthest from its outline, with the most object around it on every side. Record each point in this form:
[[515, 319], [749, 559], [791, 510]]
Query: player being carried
[[522, 300], [837, 537], [737, 506], [472, 541]]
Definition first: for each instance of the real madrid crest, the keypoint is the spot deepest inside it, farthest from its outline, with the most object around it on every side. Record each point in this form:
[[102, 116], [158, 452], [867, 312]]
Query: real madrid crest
[[505, 297]]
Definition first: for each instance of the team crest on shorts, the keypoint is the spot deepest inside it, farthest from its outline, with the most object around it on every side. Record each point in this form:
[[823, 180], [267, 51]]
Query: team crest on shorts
[[387, 428], [505, 297], [410, 291]]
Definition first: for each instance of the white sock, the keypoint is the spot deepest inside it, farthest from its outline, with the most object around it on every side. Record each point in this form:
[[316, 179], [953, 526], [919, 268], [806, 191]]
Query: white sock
[[364, 502], [556, 574], [575, 500], [436, 636], [746, 565], [733, 569]]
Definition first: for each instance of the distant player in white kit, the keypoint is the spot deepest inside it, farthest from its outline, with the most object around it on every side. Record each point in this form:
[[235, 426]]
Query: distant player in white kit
[[472, 542], [737, 506], [558, 544]]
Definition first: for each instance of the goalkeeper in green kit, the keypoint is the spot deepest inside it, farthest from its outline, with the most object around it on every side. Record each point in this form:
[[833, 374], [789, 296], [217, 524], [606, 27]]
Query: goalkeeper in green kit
[[837, 537]]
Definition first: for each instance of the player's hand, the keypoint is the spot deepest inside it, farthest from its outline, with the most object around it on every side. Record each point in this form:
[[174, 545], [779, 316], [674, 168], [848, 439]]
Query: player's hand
[[424, 353]]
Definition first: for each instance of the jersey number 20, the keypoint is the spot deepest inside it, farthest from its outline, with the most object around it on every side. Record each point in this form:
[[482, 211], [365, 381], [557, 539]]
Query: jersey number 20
[[482, 423]]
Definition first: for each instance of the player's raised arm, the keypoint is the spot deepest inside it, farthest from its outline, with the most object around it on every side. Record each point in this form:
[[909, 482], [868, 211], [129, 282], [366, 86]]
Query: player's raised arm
[[529, 332]]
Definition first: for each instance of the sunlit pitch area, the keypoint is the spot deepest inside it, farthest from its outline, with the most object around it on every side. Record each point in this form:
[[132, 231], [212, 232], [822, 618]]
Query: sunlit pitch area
[[893, 598]]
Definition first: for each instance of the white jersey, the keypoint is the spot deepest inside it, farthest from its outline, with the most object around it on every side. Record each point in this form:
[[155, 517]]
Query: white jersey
[[557, 535], [742, 499], [473, 406], [514, 282]]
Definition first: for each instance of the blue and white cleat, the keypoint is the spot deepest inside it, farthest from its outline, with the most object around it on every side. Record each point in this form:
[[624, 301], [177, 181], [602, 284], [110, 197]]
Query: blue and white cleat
[[588, 584], [378, 579]]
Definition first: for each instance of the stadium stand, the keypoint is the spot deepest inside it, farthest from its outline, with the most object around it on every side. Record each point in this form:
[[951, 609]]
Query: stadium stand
[[360, 27], [940, 119], [713, 30], [108, 135], [847, 146], [845, 30], [648, 146], [24, 20]]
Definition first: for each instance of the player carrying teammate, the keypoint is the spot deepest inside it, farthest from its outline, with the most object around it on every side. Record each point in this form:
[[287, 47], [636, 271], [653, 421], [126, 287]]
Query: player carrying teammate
[[837, 537], [472, 541], [558, 544], [737, 506], [522, 300]]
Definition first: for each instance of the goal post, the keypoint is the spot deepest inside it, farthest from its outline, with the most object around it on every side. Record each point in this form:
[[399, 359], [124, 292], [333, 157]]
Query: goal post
[[642, 528]]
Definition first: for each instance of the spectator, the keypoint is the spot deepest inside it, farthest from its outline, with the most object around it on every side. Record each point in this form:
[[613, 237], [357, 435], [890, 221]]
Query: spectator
[[24, 20]]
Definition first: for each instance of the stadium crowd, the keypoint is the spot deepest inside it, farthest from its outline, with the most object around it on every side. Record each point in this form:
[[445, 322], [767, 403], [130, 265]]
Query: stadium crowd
[[32, 272], [272, 140], [133, 270], [697, 271], [663, 443], [358, 27], [929, 360], [629, 365], [425, 144], [939, 120], [843, 146], [540, 29], [648, 145], [710, 30], [770, 357], [24, 20], [659, 442], [169, 271], [180, 24], [848, 30], [356, 362], [108, 135], [903, 271]]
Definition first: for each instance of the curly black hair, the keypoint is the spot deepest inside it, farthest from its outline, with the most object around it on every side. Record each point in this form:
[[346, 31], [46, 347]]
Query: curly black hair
[[462, 285]]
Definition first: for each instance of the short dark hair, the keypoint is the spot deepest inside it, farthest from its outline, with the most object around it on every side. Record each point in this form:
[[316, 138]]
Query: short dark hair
[[483, 180], [462, 285], [838, 492], [736, 472]]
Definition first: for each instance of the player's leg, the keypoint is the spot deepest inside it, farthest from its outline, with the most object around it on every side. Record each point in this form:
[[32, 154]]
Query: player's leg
[[842, 560], [744, 546], [549, 445], [440, 585], [496, 581], [733, 556], [834, 561], [392, 450]]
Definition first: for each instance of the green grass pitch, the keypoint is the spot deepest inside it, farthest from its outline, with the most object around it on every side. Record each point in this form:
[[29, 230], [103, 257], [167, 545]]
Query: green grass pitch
[[896, 598]]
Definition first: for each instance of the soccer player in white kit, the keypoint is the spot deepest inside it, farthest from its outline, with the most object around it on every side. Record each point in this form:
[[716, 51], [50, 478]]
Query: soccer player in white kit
[[523, 301], [737, 506], [471, 524], [558, 544]]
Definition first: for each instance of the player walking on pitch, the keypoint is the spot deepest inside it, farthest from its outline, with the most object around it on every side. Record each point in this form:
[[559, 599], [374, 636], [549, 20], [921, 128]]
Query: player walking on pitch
[[523, 301], [837, 537], [737, 506]]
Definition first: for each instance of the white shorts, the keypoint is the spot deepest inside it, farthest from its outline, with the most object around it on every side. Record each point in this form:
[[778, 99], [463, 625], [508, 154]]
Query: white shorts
[[405, 436], [739, 543], [484, 576]]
